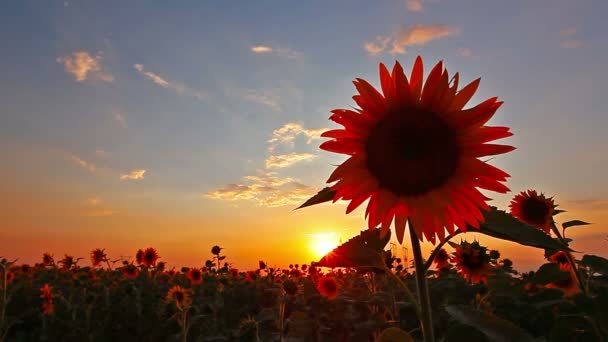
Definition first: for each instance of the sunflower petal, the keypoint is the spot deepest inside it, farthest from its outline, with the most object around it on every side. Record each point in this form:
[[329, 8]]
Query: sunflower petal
[[464, 95], [416, 78]]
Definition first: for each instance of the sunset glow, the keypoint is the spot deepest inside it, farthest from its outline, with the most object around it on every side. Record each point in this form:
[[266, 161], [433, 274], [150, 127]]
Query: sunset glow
[[322, 244]]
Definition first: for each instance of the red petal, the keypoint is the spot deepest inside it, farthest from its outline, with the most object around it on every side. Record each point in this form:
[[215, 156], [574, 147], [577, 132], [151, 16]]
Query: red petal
[[431, 84], [350, 147], [387, 84], [416, 78], [402, 86], [464, 95]]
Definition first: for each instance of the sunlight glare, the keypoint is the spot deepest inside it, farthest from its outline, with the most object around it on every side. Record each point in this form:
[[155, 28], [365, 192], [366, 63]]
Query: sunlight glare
[[321, 244]]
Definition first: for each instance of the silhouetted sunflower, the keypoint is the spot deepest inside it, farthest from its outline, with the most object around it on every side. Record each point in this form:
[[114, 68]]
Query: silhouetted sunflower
[[195, 276], [472, 262], [180, 296], [328, 287], [534, 209], [97, 257], [414, 152], [150, 257]]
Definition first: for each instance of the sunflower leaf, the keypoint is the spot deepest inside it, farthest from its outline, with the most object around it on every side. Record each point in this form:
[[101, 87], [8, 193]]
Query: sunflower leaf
[[503, 226], [363, 250], [325, 195], [495, 328], [549, 273], [574, 223], [596, 263]]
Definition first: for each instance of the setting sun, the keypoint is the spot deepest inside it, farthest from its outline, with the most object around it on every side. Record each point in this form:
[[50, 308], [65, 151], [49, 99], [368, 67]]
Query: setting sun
[[323, 243]]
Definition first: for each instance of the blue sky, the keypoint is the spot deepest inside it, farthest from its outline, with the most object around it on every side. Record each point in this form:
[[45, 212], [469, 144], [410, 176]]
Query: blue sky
[[194, 92]]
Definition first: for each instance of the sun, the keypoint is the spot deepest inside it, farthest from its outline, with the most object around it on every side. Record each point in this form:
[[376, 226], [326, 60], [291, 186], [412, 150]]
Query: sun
[[323, 243]]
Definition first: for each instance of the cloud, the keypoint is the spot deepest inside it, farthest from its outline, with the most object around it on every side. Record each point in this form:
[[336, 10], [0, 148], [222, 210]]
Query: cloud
[[414, 5], [279, 51], [288, 133], [178, 88], [102, 154], [420, 35], [269, 98], [83, 163], [568, 31], [134, 175], [285, 160], [83, 66], [571, 44], [380, 45], [120, 119], [261, 49], [267, 190], [409, 36], [466, 52]]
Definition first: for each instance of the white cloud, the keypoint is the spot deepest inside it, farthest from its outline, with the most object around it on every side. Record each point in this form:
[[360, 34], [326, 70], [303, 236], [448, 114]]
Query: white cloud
[[134, 175], [409, 36], [83, 163], [568, 31], [119, 117], [377, 47], [571, 44], [278, 51], [261, 49], [414, 5], [288, 133], [102, 154], [266, 190], [420, 35], [466, 52], [268, 97], [285, 160], [178, 88], [82, 65]]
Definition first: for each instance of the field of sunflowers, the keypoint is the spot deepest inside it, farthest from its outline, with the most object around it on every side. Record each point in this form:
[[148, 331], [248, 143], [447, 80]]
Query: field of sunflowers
[[475, 295]]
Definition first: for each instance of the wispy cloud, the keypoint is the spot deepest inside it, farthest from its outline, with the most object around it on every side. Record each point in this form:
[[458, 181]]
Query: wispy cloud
[[568, 41], [178, 88], [288, 133], [134, 175], [83, 163], [120, 119], [409, 36], [285, 160], [420, 35], [414, 5], [466, 52], [82, 66], [267, 190], [266, 97], [568, 31], [102, 154], [571, 44], [378, 46], [278, 51]]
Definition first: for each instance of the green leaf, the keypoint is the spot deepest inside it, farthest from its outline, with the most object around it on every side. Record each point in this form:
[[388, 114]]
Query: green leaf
[[574, 223], [558, 211], [549, 273], [325, 195], [362, 250], [596, 263], [503, 226], [495, 328]]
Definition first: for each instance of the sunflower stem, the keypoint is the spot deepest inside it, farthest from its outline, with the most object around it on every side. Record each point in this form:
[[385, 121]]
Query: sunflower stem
[[570, 259], [429, 261], [423, 289]]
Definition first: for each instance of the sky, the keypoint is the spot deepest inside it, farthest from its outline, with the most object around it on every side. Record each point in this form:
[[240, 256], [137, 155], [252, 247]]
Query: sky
[[182, 125]]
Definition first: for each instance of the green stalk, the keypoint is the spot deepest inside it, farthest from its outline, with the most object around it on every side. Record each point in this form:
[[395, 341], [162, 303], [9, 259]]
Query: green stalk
[[570, 259], [423, 289]]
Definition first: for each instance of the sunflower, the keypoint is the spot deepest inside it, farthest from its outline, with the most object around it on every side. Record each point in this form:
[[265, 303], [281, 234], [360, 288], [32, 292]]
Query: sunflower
[[150, 257], [569, 285], [139, 256], [472, 262], [560, 258], [534, 209], [67, 262], [414, 152], [97, 257], [9, 276], [180, 296], [47, 259], [442, 259], [47, 300], [328, 287], [195, 276], [130, 271]]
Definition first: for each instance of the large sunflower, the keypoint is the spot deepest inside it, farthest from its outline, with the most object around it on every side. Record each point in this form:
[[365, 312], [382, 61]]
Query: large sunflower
[[414, 152]]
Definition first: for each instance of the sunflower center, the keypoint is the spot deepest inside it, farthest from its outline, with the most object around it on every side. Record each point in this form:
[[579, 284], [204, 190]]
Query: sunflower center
[[535, 211], [412, 152]]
